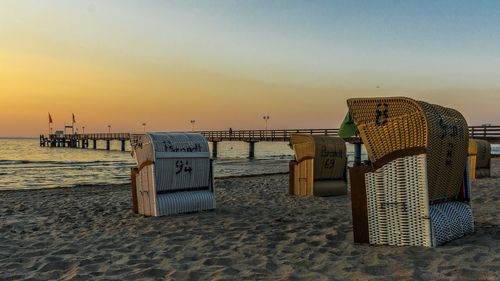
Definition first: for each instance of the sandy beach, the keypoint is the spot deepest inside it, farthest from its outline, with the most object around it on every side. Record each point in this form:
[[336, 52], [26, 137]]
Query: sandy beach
[[257, 232]]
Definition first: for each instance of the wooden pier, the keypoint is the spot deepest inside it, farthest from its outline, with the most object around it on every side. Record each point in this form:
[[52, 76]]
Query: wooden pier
[[489, 133], [84, 140]]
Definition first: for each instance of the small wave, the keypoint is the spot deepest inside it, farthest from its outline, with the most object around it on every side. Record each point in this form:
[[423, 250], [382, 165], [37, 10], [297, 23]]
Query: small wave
[[14, 162], [70, 163]]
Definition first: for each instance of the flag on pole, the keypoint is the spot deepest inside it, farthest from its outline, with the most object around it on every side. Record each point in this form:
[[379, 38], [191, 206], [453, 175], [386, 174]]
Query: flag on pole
[[74, 120], [50, 119]]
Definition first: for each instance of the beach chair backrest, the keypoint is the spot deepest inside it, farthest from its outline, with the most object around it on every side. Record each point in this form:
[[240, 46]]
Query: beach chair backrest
[[390, 124], [169, 167], [319, 167]]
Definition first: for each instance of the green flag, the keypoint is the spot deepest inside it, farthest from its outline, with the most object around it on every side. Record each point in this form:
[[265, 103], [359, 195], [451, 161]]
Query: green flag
[[348, 129]]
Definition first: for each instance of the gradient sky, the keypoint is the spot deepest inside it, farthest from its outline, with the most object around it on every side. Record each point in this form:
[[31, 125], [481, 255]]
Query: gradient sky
[[228, 63]]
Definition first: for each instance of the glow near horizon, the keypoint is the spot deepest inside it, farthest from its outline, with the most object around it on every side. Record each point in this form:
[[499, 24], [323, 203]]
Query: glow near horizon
[[228, 63]]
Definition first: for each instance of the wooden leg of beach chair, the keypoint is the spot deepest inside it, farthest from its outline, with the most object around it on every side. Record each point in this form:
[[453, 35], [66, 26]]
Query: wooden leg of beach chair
[[472, 166], [292, 181], [359, 203], [310, 177], [302, 178], [133, 175]]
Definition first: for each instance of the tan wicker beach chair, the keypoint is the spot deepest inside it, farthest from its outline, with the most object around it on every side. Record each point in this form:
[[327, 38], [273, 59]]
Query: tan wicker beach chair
[[416, 190], [480, 158], [174, 173], [319, 167]]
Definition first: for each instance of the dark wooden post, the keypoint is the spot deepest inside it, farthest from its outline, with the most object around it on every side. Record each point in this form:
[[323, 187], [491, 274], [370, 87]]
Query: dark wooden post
[[357, 153], [94, 143], [359, 203], [135, 205], [123, 145], [251, 151], [108, 144], [214, 149]]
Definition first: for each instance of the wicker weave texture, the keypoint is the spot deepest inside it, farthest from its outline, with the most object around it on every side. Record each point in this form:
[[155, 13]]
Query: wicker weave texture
[[483, 153], [330, 158], [472, 157], [303, 146], [447, 150], [318, 158], [396, 123], [398, 206], [303, 179]]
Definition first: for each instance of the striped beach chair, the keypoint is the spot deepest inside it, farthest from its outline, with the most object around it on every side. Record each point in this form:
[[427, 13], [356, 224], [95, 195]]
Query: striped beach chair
[[319, 167], [173, 174], [479, 158], [416, 191]]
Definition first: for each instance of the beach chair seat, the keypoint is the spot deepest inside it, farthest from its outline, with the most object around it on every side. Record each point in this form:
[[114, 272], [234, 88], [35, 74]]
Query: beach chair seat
[[319, 167], [174, 173], [416, 191], [480, 158]]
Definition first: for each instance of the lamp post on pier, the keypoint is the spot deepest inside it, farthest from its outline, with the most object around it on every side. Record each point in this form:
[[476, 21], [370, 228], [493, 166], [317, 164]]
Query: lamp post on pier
[[192, 125], [109, 128], [144, 127], [266, 118], [83, 129]]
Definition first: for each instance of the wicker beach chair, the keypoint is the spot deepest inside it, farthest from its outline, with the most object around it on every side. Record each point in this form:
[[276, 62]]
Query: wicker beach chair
[[479, 158], [416, 190], [173, 174], [319, 167]]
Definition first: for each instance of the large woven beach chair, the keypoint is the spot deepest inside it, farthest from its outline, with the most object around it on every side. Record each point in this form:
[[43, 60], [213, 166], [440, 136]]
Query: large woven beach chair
[[480, 158], [173, 175], [416, 189], [319, 167]]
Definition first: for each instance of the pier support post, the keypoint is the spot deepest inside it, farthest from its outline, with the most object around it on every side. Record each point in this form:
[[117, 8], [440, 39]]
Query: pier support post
[[251, 150], [357, 153], [108, 144], [214, 149], [123, 145], [95, 143]]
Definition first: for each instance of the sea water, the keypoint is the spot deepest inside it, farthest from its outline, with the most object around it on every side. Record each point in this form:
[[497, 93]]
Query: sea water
[[26, 165]]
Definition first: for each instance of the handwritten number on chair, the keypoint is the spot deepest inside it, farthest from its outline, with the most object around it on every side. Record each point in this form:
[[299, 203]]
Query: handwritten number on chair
[[182, 167], [449, 154], [382, 114], [329, 163], [450, 130]]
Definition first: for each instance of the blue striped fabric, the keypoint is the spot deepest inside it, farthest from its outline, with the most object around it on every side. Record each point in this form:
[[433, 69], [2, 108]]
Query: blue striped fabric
[[185, 202], [167, 178], [449, 221]]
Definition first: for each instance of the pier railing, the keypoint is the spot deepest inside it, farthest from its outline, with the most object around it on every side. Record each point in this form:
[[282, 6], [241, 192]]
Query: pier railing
[[489, 133], [262, 135], [486, 132]]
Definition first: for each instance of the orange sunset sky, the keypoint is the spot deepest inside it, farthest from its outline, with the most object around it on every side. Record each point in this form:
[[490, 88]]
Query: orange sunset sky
[[228, 63]]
